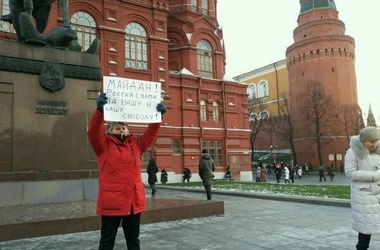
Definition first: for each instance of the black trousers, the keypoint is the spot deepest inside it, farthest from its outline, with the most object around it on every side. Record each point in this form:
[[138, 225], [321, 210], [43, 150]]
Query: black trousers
[[363, 241], [208, 191], [131, 228], [152, 185], [278, 178]]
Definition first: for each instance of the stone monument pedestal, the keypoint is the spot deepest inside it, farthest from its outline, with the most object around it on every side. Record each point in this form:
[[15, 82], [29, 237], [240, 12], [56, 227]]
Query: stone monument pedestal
[[20, 222], [46, 99]]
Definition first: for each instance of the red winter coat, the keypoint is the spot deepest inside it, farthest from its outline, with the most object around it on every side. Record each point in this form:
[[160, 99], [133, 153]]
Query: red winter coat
[[120, 185]]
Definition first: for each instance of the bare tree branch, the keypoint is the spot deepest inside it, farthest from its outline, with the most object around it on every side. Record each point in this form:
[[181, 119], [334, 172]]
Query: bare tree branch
[[352, 119], [257, 117], [320, 114], [284, 126]]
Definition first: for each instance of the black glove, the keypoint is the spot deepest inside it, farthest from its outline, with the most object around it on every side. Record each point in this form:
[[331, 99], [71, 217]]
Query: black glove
[[102, 99], [161, 107]]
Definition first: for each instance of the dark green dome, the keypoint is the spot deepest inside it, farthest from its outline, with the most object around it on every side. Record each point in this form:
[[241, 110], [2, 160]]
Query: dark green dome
[[307, 5]]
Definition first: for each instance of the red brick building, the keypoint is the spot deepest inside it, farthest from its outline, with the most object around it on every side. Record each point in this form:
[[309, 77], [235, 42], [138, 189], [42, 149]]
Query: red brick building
[[180, 44]]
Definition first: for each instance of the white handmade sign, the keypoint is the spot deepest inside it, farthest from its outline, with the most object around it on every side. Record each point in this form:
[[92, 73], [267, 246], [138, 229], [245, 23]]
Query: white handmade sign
[[131, 100]]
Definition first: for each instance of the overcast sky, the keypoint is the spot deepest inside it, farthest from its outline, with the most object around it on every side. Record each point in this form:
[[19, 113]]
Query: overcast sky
[[257, 33]]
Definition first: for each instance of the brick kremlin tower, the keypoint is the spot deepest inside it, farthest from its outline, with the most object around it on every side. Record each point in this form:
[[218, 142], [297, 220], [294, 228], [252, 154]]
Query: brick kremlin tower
[[322, 53]]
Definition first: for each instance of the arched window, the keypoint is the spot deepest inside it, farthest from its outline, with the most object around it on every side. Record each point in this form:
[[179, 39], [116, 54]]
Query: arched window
[[215, 111], [85, 27], [5, 26], [136, 47], [205, 67], [203, 111], [251, 91], [263, 89]]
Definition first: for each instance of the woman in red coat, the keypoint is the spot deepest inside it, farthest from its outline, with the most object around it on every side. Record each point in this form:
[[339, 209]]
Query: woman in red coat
[[121, 196], [264, 173]]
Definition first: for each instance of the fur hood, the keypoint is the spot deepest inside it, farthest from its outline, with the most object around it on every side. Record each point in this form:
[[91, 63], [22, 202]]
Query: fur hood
[[360, 166], [359, 149]]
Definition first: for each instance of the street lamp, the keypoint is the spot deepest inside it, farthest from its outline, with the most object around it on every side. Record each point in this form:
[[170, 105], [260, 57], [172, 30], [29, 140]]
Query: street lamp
[[252, 118], [273, 152]]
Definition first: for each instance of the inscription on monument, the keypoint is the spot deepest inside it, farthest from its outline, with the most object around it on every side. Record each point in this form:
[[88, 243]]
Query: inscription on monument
[[51, 107]]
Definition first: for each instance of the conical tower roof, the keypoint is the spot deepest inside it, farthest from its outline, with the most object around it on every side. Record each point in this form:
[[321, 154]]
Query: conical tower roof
[[371, 121], [308, 5]]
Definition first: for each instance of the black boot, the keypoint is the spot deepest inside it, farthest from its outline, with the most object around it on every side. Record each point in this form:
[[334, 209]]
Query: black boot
[[363, 242]]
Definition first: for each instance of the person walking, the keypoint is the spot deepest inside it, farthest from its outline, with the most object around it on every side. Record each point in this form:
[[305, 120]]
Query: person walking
[[299, 172], [291, 173], [258, 173], [228, 175], [206, 167], [330, 173], [152, 171], [121, 195], [286, 170], [277, 172], [186, 175], [306, 168], [321, 173], [362, 167], [264, 173], [164, 176]]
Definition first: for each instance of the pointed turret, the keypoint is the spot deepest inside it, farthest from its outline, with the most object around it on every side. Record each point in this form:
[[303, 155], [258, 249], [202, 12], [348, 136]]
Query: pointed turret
[[371, 118]]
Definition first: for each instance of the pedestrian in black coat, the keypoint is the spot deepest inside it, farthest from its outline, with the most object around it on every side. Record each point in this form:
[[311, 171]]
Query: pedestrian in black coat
[[278, 171], [291, 173], [186, 175], [206, 167], [321, 173], [164, 176], [152, 171]]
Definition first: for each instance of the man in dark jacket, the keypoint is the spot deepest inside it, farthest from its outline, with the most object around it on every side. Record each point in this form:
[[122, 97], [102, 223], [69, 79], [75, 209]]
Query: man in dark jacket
[[278, 172], [164, 176], [186, 175], [206, 167], [321, 173], [152, 171]]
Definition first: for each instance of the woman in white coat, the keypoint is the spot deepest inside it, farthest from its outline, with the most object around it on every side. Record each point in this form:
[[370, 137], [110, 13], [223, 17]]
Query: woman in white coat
[[362, 166], [286, 170]]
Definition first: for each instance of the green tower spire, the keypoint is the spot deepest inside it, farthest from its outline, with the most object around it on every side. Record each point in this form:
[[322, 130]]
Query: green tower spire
[[308, 5]]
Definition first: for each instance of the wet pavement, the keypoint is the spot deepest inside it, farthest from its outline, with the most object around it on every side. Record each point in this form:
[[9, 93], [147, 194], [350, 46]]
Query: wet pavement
[[248, 223]]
